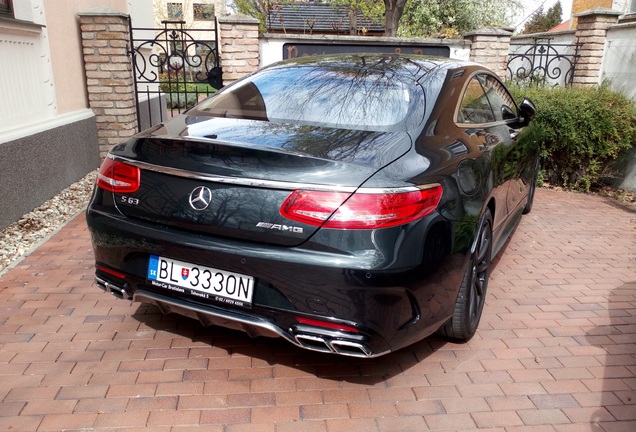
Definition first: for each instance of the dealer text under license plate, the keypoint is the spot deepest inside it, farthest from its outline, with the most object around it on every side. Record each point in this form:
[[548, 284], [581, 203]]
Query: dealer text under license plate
[[199, 281]]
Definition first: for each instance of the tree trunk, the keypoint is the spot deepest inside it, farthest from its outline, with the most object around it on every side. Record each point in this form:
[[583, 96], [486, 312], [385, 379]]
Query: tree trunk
[[353, 22], [393, 13]]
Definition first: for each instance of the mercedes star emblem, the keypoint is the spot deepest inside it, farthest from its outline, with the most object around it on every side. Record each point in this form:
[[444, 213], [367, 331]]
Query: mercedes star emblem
[[200, 198]]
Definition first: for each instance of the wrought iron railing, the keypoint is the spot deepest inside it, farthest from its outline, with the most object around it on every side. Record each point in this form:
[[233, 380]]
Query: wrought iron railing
[[169, 64], [543, 62]]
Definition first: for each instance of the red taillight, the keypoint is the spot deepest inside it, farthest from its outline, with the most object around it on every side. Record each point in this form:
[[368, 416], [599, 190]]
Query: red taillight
[[361, 210], [111, 272], [115, 176], [326, 324]]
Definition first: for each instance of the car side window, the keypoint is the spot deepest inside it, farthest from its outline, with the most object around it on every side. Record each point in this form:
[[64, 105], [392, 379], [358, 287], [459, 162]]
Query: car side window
[[475, 107], [503, 105]]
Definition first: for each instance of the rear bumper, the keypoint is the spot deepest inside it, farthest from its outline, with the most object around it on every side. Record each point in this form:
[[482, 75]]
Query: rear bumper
[[307, 337], [390, 308]]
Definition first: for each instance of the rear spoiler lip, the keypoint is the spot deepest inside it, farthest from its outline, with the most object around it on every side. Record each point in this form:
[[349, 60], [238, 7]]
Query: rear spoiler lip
[[267, 184]]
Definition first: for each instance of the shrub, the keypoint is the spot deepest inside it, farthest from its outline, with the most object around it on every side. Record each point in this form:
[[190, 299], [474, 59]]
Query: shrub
[[178, 93], [581, 132], [183, 98]]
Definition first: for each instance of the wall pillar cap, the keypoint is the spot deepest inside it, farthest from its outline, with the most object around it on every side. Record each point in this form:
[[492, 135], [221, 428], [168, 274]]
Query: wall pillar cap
[[238, 18], [599, 11], [491, 31], [102, 11]]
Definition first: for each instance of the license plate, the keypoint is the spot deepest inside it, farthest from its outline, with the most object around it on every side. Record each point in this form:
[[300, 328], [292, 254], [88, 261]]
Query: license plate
[[199, 281]]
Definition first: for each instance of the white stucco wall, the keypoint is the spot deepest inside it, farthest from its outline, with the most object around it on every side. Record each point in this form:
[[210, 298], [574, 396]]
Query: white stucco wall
[[619, 62], [27, 83], [624, 6], [271, 46]]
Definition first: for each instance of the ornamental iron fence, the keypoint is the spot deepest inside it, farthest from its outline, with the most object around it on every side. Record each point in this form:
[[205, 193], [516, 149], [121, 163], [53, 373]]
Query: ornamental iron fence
[[173, 67], [542, 62]]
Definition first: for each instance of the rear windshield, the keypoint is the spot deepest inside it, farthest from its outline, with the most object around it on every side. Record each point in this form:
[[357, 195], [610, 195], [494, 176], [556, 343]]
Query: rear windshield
[[335, 97]]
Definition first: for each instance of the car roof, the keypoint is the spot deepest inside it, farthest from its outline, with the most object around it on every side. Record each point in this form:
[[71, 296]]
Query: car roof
[[415, 66]]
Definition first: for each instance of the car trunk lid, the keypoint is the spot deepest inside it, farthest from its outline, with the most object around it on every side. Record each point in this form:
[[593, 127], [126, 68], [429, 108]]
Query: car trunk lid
[[229, 177]]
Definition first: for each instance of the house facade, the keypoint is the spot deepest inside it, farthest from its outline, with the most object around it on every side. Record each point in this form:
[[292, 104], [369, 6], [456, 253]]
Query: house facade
[[197, 14], [625, 7], [48, 134]]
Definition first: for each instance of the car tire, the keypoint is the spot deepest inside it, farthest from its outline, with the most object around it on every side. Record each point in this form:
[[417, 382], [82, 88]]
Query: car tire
[[472, 292], [533, 187]]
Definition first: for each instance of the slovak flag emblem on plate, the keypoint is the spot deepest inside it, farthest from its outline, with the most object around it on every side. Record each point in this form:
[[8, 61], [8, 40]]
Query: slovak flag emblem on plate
[[185, 273]]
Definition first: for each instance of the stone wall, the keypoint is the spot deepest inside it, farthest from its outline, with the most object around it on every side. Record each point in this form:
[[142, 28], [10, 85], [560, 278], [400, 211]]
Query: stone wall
[[490, 47], [239, 46], [591, 33], [109, 80]]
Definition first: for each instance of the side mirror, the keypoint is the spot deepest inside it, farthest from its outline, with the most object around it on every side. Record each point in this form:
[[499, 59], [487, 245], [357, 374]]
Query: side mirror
[[527, 110]]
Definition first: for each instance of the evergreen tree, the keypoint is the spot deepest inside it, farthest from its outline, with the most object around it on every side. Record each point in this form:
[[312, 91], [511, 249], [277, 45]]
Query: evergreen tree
[[543, 21]]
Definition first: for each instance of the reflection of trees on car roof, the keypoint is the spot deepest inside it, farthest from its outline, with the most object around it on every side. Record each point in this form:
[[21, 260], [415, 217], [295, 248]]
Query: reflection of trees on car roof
[[374, 93]]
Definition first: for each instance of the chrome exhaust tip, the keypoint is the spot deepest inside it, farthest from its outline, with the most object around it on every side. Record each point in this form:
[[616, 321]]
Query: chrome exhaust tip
[[116, 290], [314, 343], [336, 346], [354, 349]]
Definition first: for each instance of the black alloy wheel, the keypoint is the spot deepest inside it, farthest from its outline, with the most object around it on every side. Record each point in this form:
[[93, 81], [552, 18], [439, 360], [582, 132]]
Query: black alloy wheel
[[472, 293]]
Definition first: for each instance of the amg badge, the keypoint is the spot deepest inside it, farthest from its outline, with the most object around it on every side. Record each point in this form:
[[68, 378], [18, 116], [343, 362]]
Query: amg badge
[[280, 227]]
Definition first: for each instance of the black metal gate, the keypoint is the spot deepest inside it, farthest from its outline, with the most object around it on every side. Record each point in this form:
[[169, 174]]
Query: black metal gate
[[173, 68], [543, 62]]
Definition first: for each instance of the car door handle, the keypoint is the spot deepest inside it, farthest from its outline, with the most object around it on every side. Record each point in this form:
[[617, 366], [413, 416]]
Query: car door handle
[[514, 134]]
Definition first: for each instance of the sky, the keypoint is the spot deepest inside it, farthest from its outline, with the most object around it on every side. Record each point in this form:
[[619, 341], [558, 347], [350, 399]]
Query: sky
[[532, 5]]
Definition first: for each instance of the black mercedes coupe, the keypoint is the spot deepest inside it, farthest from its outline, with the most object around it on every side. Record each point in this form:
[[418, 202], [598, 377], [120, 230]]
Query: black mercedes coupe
[[348, 204]]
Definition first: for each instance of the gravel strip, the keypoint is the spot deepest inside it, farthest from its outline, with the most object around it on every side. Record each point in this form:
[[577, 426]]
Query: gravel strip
[[19, 238]]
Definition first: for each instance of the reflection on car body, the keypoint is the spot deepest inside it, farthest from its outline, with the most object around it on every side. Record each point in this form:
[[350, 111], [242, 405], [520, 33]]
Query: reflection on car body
[[363, 196]]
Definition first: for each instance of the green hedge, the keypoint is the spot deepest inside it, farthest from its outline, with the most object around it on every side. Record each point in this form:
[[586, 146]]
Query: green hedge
[[178, 94], [581, 132]]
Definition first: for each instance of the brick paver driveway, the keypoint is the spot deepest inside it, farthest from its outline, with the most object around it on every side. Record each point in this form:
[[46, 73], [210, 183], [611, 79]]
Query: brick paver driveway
[[556, 350]]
